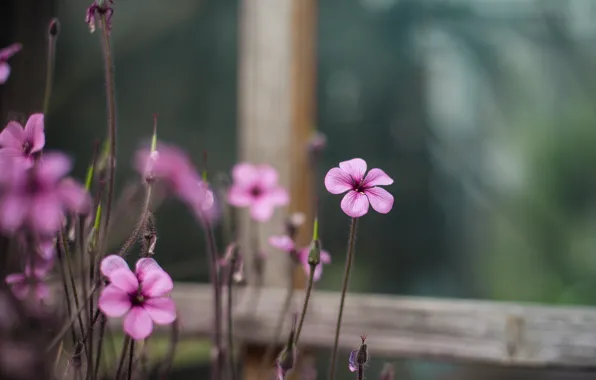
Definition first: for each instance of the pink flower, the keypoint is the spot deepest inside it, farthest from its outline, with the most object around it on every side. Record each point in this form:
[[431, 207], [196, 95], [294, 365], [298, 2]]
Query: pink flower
[[38, 197], [255, 186], [143, 296], [23, 143], [286, 244], [30, 283], [5, 54], [361, 189], [173, 167]]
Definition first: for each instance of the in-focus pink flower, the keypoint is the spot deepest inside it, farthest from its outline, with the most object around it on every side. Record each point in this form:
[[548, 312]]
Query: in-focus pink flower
[[173, 167], [38, 197], [142, 297], [5, 55], [23, 143], [361, 189], [256, 186], [31, 282], [286, 244]]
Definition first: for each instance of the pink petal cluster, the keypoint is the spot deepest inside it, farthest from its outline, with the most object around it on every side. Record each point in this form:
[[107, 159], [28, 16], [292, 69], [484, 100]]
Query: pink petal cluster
[[5, 55], [286, 244], [362, 190], [23, 143], [173, 167], [31, 282], [38, 197], [256, 186], [142, 297]]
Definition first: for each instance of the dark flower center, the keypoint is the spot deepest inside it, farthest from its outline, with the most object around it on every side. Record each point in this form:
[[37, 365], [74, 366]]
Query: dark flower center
[[256, 191], [33, 185], [137, 299], [27, 147]]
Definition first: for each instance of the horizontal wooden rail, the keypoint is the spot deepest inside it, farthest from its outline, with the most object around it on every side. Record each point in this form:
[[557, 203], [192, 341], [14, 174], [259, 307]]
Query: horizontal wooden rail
[[505, 334]]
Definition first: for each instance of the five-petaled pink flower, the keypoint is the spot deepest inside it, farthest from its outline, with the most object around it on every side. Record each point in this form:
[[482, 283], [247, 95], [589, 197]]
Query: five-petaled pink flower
[[256, 186], [143, 296], [286, 244], [361, 189], [31, 282], [23, 143], [5, 54], [173, 167], [38, 197]]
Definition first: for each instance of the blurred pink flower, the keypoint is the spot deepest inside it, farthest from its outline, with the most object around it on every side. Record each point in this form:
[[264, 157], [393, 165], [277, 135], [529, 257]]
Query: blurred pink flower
[[31, 282], [256, 186], [23, 143], [143, 296], [38, 197], [286, 244], [173, 167], [5, 55], [361, 189]]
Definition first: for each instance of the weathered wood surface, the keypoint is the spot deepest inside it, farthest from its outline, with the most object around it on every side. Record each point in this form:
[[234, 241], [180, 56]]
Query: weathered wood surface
[[506, 334]]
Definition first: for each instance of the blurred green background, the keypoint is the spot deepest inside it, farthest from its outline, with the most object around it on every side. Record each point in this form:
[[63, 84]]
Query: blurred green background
[[482, 111]]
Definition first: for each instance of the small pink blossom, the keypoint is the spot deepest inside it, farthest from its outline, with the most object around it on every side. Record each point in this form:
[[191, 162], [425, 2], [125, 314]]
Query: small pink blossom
[[5, 55], [173, 167], [142, 297], [361, 189], [23, 143], [256, 186], [31, 282], [38, 197], [286, 244]]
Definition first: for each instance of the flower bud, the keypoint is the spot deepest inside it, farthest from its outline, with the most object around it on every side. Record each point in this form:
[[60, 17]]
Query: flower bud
[[54, 29], [314, 255], [362, 356]]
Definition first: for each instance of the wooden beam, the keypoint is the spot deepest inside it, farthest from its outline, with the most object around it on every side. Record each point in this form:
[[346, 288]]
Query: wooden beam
[[498, 333]]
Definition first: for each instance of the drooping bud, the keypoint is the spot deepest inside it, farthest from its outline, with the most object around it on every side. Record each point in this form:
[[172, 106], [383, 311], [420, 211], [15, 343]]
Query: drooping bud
[[314, 255], [54, 28], [362, 356], [287, 358]]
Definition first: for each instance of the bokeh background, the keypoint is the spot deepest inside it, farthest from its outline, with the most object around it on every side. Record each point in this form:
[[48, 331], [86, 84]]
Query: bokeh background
[[481, 110]]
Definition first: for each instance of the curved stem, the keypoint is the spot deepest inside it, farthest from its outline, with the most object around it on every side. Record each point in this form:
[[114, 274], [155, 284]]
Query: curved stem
[[111, 108], [311, 278], [344, 289], [127, 341], [130, 358], [214, 272], [141, 223]]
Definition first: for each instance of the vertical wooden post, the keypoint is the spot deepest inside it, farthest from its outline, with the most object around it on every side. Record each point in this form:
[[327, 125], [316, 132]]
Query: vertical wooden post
[[276, 116]]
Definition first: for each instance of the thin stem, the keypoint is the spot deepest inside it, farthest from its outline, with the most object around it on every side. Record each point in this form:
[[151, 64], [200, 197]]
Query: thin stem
[[214, 272], [66, 291], [102, 329], [282, 315], [122, 357], [311, 280], [111, 108], [360, 372], [130, 358], [344, 289], [140, 224], [51, 59], [231, 267]]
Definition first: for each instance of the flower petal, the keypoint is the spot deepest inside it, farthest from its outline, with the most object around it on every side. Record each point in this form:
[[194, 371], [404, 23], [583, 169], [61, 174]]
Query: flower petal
[[110, 263], [245, 175], [34, 132], [162, 310], [157, 283], [114, 302], [267, 176], [74, 196], [354, 204], [325, 257], [144, 265], [12, 136], [15, 278], [138, 323], [53, 166], [46, 249], [125, 280], [277, 196], [239, 196], [380, 199], [262, 210], [46, 214], [9, 51], [355, 167], [318, 271], [282, 242], [377, 177], [352, 365], [4, 72], [338, 181], [13, 211]]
